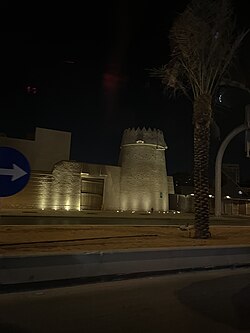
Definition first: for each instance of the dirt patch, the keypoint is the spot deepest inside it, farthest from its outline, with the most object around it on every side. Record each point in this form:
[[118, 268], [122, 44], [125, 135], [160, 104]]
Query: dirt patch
[[43, 239]]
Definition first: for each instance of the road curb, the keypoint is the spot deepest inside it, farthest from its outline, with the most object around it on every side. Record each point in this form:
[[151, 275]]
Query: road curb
[[39, 268]]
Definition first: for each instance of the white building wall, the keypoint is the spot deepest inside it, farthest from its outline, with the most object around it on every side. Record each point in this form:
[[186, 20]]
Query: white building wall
[[51, 147], [26, 147], [48, 148]]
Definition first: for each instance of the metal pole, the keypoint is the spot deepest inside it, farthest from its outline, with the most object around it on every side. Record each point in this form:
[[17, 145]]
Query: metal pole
[[217, 194]]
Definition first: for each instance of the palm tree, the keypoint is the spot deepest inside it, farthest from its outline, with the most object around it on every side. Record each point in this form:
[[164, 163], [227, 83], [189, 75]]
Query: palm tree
[[203, 43]]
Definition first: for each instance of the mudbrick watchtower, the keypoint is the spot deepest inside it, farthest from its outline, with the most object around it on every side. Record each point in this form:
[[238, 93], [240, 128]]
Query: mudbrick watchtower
[[143, 183]]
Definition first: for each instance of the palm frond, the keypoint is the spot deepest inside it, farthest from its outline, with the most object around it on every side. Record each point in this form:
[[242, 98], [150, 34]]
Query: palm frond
[[203, 43]]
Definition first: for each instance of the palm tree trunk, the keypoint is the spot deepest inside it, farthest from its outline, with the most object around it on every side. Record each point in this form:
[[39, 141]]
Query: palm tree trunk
[[201, 120]]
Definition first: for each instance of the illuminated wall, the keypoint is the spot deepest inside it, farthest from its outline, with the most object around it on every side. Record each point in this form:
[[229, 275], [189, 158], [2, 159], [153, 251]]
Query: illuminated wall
[[59, 190], [143, 171], [139, 182], [36, 195], [111, 177], [66, 186], [111, 197]]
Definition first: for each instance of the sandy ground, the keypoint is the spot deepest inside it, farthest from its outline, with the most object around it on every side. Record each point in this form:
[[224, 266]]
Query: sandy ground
[[37, 239]]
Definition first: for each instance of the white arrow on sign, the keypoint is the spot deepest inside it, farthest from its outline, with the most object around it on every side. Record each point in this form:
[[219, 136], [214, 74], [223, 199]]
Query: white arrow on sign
[[16, 172]]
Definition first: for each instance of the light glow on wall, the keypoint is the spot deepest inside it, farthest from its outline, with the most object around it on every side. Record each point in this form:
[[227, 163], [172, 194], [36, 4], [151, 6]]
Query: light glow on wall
[[42, 204], [67, 205]]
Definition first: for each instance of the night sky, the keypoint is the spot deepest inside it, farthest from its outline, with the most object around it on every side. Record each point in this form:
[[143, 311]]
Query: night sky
[[82, 67]]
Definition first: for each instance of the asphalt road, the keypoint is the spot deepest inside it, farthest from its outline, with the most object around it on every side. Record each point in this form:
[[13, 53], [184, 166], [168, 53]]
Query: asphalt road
[[114, 220], [212, 301]]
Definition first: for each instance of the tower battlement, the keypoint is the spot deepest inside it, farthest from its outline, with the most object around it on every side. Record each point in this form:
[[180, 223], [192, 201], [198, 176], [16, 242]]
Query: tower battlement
[[147, 136]]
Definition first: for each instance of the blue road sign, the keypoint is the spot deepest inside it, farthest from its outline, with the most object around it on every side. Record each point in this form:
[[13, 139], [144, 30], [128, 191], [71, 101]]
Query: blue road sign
[[14, 171]]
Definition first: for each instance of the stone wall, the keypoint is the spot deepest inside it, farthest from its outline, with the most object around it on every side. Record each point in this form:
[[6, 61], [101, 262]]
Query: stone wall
[[111, 196], [66, 186], [59, 190], [36, 194], [143, 171]]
